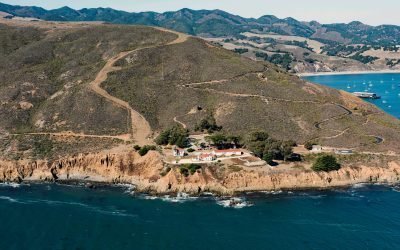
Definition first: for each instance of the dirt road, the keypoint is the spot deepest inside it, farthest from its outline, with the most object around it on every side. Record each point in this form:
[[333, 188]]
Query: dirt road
[[139, 126]]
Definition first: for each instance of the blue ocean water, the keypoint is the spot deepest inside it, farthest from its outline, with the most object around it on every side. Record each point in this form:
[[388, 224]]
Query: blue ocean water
[[385, 85], [42, 216]]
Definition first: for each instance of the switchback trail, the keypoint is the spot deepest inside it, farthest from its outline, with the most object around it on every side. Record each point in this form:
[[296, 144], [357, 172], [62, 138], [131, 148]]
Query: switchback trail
[[139, 126]]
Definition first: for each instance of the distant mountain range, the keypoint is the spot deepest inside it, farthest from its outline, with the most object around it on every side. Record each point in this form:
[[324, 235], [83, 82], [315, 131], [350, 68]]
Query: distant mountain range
[[217, 23]]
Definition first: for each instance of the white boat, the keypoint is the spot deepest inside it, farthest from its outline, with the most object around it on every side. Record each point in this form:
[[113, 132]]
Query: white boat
[[367, 95]]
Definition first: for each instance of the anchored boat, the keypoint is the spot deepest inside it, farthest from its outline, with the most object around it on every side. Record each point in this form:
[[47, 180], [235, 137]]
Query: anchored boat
[[366, 95]]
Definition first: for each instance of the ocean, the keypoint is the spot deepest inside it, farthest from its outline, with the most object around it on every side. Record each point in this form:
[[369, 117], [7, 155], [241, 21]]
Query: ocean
[[54, 216], [385, 85]]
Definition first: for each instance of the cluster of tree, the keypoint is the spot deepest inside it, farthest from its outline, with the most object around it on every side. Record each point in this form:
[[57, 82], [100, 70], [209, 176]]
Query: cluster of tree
[[189, 169], [174, 136], [284, 60], [262, 40], [310, 60], [364, 59], [208, 124], [343, 50], [222, 141], [325, 163], [262, 55], [393, 48], [267, 148], [240, 50], [392, 62], [299, 44], [145, 149]]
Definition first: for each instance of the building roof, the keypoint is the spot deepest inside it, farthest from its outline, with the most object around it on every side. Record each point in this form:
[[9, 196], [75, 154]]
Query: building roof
[[228, 150], [205, 155]]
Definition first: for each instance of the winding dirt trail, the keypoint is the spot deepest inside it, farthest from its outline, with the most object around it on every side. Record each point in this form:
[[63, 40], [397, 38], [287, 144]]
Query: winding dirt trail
[[179, 122], [139, 127], [266, 99]]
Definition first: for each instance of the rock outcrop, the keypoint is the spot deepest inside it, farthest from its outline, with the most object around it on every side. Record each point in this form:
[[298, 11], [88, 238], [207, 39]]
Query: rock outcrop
[[149, 174]]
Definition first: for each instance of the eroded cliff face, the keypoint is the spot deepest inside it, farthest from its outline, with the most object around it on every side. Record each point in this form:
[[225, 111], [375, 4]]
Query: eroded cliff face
[[148, 173]]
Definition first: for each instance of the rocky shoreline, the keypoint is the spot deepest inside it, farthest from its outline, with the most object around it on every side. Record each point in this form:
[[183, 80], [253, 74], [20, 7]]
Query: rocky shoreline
[[148, 175]]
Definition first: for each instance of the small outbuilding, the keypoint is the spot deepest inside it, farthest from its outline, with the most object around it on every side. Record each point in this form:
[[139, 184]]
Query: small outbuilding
[[178, 152]]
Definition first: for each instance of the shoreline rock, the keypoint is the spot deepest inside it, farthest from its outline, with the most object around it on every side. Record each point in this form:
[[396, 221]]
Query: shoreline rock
[[145, 173]]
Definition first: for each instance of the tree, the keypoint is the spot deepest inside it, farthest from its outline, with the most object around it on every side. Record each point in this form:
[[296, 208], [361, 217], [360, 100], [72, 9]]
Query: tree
[[269, 158], [286, 150], [308, 145], [258, 136], [326, 163], [209, 124], [163, 138], [145, 149], [218, 139], [174, 136]]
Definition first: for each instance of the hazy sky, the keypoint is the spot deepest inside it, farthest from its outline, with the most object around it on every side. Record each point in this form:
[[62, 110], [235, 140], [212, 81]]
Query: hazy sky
[[368, 11]]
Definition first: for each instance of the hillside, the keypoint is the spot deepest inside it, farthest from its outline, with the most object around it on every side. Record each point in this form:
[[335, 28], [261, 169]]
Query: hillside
[[83, 87], [299, 47]]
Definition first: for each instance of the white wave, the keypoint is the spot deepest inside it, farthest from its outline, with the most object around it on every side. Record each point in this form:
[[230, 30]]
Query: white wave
[[150, 197], [208, 194], [9, 199], [317, 197], [359, 185], [10, 184], [235, 202], [180, 198], [129, 188], [396, 189]]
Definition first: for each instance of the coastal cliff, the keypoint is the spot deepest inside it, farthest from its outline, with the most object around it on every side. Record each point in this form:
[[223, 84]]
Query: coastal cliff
[[150, 174]]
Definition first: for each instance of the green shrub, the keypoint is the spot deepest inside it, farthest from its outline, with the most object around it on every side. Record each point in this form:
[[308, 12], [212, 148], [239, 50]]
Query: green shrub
[[269, 158], [136, 147], [189, 169], [309, 145], [191, 150], [326, 163], [145, 149]]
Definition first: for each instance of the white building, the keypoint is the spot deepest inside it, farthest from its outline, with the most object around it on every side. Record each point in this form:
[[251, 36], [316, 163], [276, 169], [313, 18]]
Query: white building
[[228, 152], [205, 157], [316, 148]]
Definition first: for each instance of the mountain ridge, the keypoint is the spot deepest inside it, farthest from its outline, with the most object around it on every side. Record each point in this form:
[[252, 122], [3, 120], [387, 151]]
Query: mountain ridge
[[210, 22]]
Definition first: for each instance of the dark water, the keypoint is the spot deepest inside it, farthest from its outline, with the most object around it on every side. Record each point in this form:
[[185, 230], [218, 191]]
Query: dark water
[[66, 217], [385, 85]]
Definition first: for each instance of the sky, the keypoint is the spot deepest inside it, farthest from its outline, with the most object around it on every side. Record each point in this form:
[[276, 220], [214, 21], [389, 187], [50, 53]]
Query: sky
[[333, 11]]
